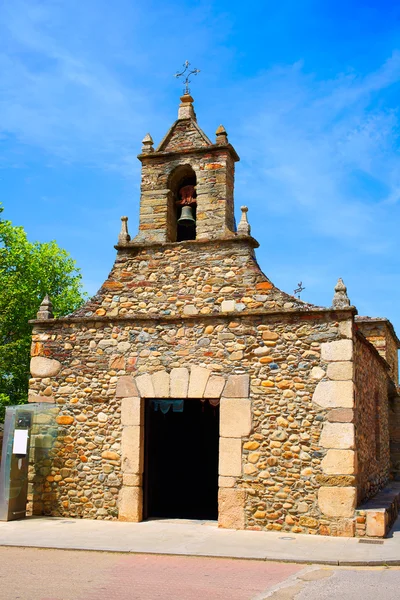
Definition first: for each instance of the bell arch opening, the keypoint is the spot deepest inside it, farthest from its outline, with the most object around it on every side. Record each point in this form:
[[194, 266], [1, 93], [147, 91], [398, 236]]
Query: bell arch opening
[[182, 204]]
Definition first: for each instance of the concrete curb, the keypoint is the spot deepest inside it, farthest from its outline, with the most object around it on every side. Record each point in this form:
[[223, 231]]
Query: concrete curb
[[300, 561], [197, 539]]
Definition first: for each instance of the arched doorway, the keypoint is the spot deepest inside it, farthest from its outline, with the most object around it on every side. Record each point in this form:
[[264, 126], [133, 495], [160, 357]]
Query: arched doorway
[[182, 185]]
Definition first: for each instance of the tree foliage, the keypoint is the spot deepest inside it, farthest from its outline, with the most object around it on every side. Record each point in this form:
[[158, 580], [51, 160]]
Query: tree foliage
[[29, 271]]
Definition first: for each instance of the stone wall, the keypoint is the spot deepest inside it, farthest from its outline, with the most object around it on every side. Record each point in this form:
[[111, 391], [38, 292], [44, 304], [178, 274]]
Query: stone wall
[[380, 333], [280, 471], [215, 179], [394, 431], [371, 419], [201, 278]]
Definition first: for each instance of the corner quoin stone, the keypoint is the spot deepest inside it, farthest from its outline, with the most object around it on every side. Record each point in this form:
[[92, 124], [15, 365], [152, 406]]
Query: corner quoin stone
[[377, 522], [340, 371], [44, 367], [346, 328], [339, 462], [337, 435], [334, 394], [337, 501], [340, 350]]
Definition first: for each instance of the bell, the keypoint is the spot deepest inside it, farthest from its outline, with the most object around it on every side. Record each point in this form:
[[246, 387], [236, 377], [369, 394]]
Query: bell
[[186, 219]]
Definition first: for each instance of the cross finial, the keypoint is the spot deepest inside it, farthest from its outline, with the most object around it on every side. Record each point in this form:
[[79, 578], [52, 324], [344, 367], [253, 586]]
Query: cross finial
[[299, 289], [186, 73]]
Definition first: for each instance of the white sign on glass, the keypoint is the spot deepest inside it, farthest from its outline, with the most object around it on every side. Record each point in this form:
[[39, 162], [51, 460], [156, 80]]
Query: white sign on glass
[[20, 444]]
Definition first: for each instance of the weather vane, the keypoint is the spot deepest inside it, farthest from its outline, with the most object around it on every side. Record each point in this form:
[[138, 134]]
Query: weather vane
[[186, 73], [299, 289]]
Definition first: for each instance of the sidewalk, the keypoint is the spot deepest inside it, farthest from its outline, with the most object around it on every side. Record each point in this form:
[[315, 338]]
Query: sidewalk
[[197, 538]]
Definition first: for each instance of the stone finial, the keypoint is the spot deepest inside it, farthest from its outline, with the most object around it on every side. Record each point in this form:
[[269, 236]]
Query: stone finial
[[221, 136], [124, 236], [340, 299], [147, 144], [46, 309], [244, 227], [186, 110]]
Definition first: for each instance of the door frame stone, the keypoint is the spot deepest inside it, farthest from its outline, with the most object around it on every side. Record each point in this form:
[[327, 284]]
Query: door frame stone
[[180, 383]]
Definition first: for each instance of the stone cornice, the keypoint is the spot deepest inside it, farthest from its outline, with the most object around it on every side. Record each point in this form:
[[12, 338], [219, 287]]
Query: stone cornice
[[200, 150], [304, 314], [230, 239]]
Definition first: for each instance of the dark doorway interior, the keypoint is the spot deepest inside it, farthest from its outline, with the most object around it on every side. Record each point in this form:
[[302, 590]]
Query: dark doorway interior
[[181, 465]]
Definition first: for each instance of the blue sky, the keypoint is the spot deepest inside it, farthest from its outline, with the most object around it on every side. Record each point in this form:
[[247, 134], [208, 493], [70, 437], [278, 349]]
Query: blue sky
[[307, 90]]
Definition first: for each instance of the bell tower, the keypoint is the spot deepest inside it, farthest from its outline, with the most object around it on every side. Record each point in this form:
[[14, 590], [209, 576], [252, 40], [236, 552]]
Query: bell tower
[[187, 183]]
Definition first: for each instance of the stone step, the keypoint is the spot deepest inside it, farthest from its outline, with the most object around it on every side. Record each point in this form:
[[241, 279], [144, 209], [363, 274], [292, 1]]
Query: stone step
[[382, 510]]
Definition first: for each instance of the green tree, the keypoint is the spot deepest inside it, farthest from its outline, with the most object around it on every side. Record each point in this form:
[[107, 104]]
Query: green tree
[[29, 271]]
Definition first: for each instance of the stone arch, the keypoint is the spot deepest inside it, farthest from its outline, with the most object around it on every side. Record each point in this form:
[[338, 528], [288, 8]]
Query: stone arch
[[182, 383], [181, 176]]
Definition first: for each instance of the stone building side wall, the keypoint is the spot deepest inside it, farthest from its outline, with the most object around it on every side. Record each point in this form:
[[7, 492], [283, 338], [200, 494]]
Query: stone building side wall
[[380, 336], [277, 481], [215, 180], [188, 279], [394, 433], [371, 420]]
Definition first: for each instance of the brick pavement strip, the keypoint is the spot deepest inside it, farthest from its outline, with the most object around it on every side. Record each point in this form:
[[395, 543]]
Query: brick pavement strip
[[36, 574]]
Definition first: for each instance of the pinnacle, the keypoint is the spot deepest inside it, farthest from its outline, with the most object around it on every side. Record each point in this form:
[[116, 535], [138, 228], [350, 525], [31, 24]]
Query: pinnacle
[[340, 298]]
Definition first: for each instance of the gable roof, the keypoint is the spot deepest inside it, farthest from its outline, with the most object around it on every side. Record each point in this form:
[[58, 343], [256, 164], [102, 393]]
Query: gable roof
[[183, 135]]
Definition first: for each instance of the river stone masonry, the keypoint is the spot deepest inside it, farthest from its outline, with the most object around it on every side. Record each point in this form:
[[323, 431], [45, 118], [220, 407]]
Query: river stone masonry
[[302, 441]]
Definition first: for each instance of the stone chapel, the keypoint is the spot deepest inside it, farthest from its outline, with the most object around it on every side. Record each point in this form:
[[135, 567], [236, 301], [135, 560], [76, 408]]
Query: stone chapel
[[191, 387]]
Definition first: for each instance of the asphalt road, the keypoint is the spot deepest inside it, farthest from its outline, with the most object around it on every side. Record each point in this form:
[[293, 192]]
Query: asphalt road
[[36, 574]]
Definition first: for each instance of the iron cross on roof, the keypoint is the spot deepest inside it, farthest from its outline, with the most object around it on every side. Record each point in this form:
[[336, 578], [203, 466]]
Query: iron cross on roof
[[187, 73], [299, 289]]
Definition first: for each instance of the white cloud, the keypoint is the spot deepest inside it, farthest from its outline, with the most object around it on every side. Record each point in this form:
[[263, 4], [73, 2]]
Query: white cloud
[[325, 151], [57, 95]]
